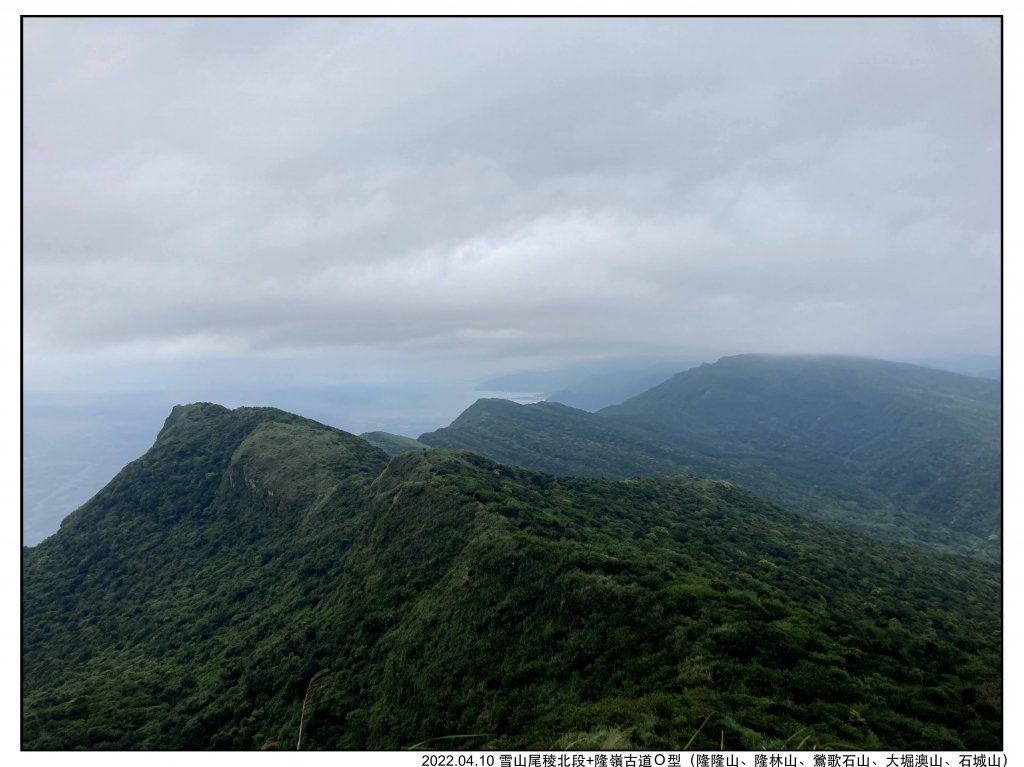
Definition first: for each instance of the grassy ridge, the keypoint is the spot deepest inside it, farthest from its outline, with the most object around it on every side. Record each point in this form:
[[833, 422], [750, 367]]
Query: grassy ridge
[[190, 604], [898, 452]]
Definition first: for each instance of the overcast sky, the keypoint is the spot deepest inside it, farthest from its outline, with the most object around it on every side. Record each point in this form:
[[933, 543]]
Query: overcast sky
[[351, 199]]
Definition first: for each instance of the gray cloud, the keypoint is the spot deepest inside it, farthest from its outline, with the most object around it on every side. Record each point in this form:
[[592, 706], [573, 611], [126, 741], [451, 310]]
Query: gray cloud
[[459, 192]]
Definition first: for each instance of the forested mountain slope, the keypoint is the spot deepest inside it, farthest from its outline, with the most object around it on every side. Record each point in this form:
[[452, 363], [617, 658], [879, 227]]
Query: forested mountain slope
[[901, 452], [392, 444], [555, 438], [440, 597]]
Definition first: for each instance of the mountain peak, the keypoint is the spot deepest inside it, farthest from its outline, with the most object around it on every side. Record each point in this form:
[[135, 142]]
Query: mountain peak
[[859, 442], [482, 409], [192, 602]]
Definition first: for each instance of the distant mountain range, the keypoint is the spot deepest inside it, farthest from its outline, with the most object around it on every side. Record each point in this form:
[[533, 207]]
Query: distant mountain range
[[259, 580], [901, 452], [977, 365], [594, 384], [393, 444]]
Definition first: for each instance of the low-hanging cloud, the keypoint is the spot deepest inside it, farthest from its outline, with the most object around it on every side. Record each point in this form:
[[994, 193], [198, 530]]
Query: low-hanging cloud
[[436, 188]]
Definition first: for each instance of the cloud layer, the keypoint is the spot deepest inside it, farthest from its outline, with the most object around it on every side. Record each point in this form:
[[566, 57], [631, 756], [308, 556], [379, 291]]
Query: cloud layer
[[462, 192]]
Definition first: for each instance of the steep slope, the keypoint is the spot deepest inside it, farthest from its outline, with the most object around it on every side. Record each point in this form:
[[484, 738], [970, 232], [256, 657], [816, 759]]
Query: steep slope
[[392, 444], [556, 438], [612, 386], [585, 609], [444, 598], [900, 452], [926, 441], [150, 592]]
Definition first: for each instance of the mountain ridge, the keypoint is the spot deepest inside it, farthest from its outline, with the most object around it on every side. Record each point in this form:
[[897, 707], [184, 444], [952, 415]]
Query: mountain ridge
[[192, 601], [902, 452]]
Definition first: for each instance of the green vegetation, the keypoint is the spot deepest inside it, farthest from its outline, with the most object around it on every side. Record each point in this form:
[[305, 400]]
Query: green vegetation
[[256, 573], [899, 452], [555, 438], [393, 444]]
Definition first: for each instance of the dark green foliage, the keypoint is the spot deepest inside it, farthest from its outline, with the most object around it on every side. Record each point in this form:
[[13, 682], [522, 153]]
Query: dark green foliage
[[900, 452], [554, 438], [178, 567], [440, 594]]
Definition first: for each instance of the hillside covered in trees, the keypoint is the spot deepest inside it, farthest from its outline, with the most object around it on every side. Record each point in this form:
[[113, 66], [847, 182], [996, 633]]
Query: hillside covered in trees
[[899, 452], [255, 568]]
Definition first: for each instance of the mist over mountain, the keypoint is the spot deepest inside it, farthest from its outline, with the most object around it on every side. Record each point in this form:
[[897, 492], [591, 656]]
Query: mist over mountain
[[393, 444], [523, 257], [194, 602], [76, 442], [895, 450], [592, 385], [977, 365]]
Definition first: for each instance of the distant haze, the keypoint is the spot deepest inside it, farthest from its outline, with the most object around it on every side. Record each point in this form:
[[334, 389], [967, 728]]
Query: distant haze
[[363, 221], [75, 443], [275, 203]]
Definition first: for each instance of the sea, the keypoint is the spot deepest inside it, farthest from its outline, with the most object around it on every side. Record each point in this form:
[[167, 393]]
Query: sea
[[74, 443]]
